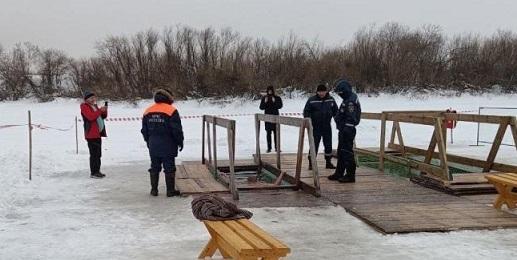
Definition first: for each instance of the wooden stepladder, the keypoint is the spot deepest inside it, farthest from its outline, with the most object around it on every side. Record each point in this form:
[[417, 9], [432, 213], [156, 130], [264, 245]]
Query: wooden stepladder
[[241, 239]]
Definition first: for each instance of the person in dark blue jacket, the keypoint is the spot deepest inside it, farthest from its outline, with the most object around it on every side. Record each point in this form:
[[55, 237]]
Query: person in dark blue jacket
[[270, 103], [347, 118], [321, 108], [163, 133]]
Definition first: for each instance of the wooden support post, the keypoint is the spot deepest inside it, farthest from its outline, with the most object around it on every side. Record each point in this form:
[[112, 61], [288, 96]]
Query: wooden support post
[[76, 138], [382, 141], [442, 150], [444, 131], [399, 136], [312, 149], [209, 144], [231, 156], [513, 127], [393, 132], [258, 160], [30, 145], [496, 144], [277, 145], [214, 125], [299, 155], [430, 149], [203, 140]]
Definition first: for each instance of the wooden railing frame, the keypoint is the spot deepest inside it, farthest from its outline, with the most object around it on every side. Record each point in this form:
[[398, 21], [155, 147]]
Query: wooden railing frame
[[303, 124], [436, 120], [229, 125]]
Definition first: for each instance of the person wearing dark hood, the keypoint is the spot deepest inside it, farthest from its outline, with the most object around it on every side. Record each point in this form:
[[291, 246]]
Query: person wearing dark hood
[[347, 118], [271, 103], [94, 129], [321, 108], [163, 133]]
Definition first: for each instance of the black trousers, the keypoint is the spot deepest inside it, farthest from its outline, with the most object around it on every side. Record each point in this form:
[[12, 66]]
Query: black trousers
[[326, 135], [168, 163], [345, 152], [95, 147], [268, 137]]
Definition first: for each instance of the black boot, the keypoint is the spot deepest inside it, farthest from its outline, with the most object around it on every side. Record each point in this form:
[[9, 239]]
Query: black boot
[[334, 177], [310, 164], [155, 177], [347, 179], [170, 182], [349, 176], [328, 164]]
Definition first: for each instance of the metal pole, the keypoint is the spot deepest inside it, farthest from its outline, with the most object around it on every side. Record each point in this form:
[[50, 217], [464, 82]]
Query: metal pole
[[76, 138], [30, 145]]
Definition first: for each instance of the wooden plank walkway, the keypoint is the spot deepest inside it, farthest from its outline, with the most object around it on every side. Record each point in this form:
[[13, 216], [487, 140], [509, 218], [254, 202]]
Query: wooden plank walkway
[[395, 205], [389, 204]]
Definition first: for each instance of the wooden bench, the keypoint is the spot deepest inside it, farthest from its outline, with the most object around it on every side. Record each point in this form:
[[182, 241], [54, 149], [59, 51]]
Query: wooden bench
[[504, 184], [241, 239]]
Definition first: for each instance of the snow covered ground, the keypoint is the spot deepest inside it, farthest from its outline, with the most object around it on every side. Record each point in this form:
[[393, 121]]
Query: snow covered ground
[[63, 214]]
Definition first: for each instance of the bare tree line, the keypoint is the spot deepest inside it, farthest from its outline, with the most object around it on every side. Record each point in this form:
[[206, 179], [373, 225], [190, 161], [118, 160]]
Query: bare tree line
[[208, 63]]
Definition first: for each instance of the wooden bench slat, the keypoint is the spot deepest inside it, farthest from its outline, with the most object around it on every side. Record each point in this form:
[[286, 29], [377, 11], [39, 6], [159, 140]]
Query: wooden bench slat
[[229, 236], [502, 179], [247, 235], [509, 176], [273, 242]]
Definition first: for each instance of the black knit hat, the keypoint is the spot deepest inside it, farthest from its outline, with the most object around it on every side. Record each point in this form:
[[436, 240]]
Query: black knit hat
[[321, 87], [87, 94]]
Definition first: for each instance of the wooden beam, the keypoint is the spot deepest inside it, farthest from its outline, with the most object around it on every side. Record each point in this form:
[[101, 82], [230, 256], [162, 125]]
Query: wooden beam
[[312, 149], [209, 143], [430, 149], [513, 128], [277, 145], [370, 116], [284, 120], [214, 127], [452, 158], [412, 119], [203, 140], [399, 136], [393, 133], [299, 155], [382, 142], [498, 139], [489, 119], [231, 157], [223, 122], [441, 149], [258, 160]]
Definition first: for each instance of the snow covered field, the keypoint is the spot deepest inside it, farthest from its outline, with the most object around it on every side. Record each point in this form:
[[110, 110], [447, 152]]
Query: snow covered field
[[63, 214]]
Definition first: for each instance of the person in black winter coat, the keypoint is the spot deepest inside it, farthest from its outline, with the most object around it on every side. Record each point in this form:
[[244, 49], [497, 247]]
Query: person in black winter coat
[[347, 118], [163, 133], [321, 108], [271, 103]]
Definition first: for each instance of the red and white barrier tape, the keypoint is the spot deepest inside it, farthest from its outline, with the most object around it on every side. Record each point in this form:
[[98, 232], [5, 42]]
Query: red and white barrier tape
[[125, 119]]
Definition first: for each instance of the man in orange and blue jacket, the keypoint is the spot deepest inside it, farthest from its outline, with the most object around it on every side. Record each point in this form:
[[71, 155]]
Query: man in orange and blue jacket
[[163, 133]]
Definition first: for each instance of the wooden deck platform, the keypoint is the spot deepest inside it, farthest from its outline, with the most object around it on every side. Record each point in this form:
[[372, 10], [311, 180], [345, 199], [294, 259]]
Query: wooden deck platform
[[389, 204]]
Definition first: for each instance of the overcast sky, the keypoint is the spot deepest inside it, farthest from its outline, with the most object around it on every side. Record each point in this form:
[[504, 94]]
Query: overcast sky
[[74, 26]]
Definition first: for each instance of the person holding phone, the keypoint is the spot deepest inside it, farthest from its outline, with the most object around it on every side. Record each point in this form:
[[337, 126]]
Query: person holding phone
[[270, 103], [94, 129]]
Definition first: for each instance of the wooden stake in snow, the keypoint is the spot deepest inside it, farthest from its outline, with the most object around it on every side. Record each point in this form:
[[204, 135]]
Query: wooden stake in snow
[[76, 138]]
